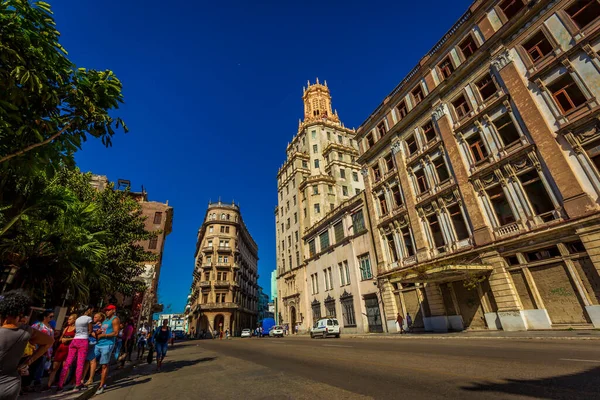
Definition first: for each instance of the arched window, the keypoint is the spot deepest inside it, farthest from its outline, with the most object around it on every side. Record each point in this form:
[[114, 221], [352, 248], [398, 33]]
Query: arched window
[[228, 217], [223, 216]]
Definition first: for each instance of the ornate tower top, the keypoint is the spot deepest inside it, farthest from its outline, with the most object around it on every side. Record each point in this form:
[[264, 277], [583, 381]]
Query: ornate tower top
[[317, 103]]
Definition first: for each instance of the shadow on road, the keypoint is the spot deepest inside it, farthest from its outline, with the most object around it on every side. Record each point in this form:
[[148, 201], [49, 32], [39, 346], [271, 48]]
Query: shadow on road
[[126, 382], [580, 385], [177, 365]]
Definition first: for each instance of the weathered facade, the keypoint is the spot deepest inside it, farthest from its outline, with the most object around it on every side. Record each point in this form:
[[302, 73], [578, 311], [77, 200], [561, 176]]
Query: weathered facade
[[224, 293], [319, 175], [482, 173]]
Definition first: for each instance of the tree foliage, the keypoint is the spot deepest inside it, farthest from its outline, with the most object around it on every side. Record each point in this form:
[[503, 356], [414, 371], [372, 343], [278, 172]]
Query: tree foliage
[[78, 238], [48, 107]]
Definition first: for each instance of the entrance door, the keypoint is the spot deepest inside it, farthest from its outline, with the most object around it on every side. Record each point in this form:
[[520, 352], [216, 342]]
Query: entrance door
[[292, 319], [373, 316]]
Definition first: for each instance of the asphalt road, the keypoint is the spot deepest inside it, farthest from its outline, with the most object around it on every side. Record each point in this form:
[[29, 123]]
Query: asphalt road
[[301, 368]]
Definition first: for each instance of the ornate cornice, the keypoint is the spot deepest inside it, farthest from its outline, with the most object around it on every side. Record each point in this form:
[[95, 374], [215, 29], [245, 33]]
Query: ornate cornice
[[396, 147], [440, 111], [502, 60]]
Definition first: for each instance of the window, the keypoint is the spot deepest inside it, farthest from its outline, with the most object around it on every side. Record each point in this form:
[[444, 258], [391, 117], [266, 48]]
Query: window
[[311, 248], [446, 68], [501, 206], [356, 191], [417, 94], [342, 173], [315, 189], [314, 134], [210, 229], [304, 164], [461, 106], [536, 193], [510, 8], [407, 239], [365, 267], [538, 46], [207, 276], [153, 243], [330, 278], [566, 93], [316, 310], [324, 240], [402, 110], [209, 243], [330, 189], [506, 129], [389, 162], [583, 12], [436, 231], [294, 198], [421, 181], [157, 217], [468, 47], [382, 204], [345, 190], [441, 169], [331, 206], [312, 281], [295, 218], [340, 156], [358, 222], [315, 148], [486, 86], [542, 254], [342, 274], [348, 310], [460, 227], [317, 208], [338, 230], [397, 196], [381, 129], [391, 247], [376, 172], [296, 235], [428, 131], [347, 269], [340, 139], [316, 163], [224, 229], [411, 143], [478, 149], [330, 307], [297, 257], [205, 298], [370, 140], [328, 135], [355, 176]]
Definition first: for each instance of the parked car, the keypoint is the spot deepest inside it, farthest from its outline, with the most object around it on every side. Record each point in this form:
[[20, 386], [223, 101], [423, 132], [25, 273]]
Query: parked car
[[326, 327], [276, 331], [179, 335], [246, 333]]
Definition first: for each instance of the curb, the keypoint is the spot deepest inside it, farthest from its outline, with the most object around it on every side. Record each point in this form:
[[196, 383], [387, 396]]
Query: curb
[[118, 374], [475, 337]]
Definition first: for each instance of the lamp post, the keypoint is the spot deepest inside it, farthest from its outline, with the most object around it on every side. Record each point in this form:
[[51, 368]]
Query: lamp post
[[379, 285]]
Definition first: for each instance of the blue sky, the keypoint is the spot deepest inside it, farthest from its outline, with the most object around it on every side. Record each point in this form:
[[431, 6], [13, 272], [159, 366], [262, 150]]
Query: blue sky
[[213, 95]]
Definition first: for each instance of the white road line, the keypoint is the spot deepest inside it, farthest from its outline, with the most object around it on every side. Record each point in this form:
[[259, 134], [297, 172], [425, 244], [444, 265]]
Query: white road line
[[575, 359], [336, 345]]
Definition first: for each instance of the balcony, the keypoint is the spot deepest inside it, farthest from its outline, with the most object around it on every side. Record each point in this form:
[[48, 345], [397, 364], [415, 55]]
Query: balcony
[[508, 230], [224, 249], [223, 264], [236, 266], [221, 284], [208, 249], [205, 284], [219, 306]]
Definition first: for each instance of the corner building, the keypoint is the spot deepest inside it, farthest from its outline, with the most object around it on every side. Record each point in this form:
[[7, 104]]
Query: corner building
[[320, 173], [224, 292], [482, 173]]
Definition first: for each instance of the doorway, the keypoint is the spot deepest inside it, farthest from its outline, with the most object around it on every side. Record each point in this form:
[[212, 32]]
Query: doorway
[[293, 319], [373, 315]]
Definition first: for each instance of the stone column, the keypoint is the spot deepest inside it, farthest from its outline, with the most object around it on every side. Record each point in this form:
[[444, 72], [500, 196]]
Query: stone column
[[575, 200], [389, 305], [438, 322], [505, 294], [481, 232], [370, 217], [590, 236]]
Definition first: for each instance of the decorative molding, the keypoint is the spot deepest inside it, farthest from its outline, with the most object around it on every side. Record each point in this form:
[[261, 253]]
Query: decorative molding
[[365, 172], [502, 60], [440, 111], [396, 147]]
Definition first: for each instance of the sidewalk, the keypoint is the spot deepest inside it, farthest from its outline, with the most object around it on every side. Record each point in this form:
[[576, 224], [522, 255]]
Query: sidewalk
[[549, 334]]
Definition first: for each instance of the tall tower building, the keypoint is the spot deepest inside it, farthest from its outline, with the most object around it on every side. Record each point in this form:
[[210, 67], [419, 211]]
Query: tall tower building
[[320, 172]]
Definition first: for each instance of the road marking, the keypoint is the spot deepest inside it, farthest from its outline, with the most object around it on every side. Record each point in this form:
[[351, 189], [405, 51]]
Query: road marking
[[336, 345], [576, 359]]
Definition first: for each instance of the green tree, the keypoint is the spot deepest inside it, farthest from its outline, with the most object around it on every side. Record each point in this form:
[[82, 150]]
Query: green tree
[[48, 107]]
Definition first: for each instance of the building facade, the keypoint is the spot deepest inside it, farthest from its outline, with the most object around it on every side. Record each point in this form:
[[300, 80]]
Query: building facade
[[224, 292], [275, 310], [176, 321], [482, 173], [263, 306], [320, 173]]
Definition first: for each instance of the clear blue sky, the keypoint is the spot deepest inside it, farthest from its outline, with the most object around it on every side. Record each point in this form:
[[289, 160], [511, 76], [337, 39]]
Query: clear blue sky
[[213, 95]]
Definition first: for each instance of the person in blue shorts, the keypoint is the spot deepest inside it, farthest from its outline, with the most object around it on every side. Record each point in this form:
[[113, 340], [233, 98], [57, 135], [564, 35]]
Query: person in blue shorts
[[106, 343], [161, 336]]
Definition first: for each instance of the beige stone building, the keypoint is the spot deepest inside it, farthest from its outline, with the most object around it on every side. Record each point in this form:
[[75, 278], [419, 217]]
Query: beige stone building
[[483, 173], [320, 173], [224, 293]]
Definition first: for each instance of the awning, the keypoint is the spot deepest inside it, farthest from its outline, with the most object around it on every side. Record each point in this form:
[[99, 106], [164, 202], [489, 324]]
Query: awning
[[446, 273]]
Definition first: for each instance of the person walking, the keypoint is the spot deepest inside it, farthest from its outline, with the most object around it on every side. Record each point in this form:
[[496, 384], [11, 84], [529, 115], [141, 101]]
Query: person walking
[[13, 340], [161, 337], [408, 322], [91, 355], [141, 345], [43, 325], [400, 322], [78, 349], [106, 342], [128, 340]]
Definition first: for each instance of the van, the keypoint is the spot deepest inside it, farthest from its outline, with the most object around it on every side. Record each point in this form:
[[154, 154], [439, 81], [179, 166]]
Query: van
[[325, 327]]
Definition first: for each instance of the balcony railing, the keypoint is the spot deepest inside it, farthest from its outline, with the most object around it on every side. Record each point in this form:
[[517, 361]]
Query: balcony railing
[[221, 284], [205, 284], [508, 230], [409, 260], [207, 306]]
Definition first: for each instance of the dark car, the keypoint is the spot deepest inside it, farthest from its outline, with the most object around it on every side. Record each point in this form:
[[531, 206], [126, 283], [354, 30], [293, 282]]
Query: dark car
[[179, 335]]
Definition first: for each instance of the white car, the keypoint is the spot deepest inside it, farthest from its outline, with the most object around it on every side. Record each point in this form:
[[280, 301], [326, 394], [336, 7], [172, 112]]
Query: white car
[[276, 331], [246, 333], [325, 327]]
